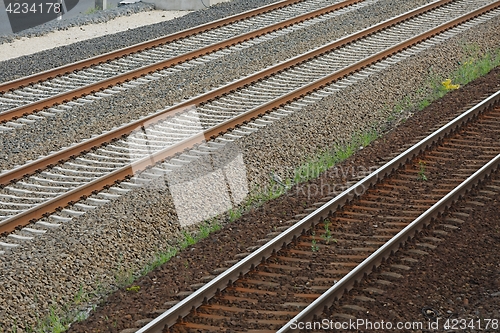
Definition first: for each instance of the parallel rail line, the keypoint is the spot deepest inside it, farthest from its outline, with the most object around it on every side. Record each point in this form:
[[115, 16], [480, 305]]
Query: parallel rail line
[[250, 286], [58, 190], [75, 150], [160, 55], [39, 77]]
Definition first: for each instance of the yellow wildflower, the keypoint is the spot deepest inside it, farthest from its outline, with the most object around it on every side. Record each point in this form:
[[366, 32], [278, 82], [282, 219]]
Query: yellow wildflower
[[134, 289], [448, 86]]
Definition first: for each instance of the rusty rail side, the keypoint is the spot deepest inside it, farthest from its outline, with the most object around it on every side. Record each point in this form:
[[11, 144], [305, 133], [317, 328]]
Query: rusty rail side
[[76, 194], [67, 153], [110, 82], [15, 84]]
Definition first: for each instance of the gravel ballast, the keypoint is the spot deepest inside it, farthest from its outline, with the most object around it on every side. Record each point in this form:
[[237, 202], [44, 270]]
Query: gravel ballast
[[78, 123], [85, 19], [53, 267], [26, 46]]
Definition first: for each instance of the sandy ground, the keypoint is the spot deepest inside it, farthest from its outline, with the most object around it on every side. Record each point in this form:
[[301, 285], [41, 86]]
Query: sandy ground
[[25, 46]]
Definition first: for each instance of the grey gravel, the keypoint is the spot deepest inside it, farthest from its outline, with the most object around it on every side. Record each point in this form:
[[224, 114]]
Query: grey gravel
[[45, 60], [100, 246], [78, 123], [98, 17]]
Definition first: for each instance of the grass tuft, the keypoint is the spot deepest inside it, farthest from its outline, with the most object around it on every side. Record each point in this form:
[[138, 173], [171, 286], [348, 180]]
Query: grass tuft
[[476, 65], [327, 159]]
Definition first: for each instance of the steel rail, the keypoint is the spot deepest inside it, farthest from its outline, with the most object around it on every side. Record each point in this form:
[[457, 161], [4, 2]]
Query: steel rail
[[18, 83], [85, 190], [183, 308], [88, 189], [136, 73], [385, 251], [77, 149]]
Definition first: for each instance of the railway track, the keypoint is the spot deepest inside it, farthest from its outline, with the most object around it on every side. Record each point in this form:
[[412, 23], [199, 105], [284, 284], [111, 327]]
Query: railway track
[[314, 261], [92, 166], [140, 64]]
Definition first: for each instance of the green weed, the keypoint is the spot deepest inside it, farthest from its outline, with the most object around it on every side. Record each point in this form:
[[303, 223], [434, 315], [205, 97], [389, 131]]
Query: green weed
[[234, 214], [423, 104], [327, 237], [421, 171], [80, 296], [55, 323], [312, 168], [207, 228], [471, 68], [124, 277], [188, 240], [474, 65], [314, 243], [159, 260]]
